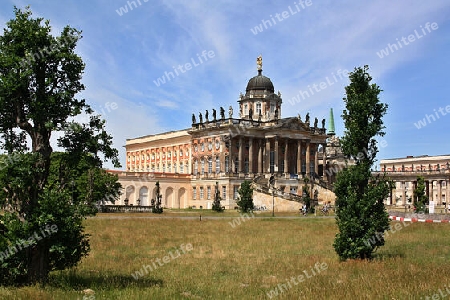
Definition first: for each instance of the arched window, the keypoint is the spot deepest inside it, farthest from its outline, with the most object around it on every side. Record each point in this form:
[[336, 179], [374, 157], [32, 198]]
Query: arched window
[[210, 165]]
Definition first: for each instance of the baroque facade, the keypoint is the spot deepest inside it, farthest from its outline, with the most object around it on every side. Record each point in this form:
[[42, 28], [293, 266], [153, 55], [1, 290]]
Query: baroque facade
[[223, 148]]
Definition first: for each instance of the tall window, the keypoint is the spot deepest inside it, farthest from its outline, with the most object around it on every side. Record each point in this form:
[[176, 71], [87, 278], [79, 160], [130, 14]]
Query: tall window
[[196, 167], [235, 192], [210, 165], [181, 168], [272, 108], [246, 166], [245, 109], [194, 193], [174, 167], [217, 165], [227, 164], [208, 190], [169, 168], [258, 108], [236, 165], [164, 168], [202, 162], [201, 192]]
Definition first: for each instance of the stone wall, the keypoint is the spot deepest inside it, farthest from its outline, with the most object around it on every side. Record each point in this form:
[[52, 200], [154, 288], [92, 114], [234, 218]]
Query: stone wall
[[281, 205]]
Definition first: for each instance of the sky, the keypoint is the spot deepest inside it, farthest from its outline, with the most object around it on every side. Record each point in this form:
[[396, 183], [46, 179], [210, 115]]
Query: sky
[[151, 64]]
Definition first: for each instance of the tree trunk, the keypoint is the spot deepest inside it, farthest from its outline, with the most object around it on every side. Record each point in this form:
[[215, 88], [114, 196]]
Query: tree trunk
[[38, 255], [38, 264]]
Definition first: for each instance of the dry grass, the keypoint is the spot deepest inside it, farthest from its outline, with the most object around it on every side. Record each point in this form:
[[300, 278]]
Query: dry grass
[[247, 261]]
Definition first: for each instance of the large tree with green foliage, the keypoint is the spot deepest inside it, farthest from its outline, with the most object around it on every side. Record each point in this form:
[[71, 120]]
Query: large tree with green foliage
[[360, 213], [40, 75], [245, 201], [420, 199]]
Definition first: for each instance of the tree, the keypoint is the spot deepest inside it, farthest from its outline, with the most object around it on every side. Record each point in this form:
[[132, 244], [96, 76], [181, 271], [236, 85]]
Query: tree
[[360, 213], [216, 204], [40, 75], [420, 197], [245, 201]]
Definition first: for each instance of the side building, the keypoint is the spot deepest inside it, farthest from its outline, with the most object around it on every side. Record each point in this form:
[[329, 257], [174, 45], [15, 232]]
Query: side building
[[404, 172], [222, 150]]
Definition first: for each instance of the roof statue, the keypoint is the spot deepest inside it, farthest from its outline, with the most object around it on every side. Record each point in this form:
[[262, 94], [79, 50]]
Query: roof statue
[[259, 62]]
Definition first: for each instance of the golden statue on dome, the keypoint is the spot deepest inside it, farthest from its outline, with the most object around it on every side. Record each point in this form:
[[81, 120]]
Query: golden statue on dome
[[259, 62]]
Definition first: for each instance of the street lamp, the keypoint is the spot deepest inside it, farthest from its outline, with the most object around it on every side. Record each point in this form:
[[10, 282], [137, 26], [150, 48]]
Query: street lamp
[[272, 183]]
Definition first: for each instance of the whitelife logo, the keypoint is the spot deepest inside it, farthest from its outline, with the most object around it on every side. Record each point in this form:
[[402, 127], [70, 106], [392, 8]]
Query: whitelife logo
[[165, 260], [266, 24], [316, 270], [180, 69], [391, 48]]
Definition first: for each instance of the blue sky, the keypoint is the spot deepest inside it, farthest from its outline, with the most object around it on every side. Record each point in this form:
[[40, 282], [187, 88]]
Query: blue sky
[[128, 45]]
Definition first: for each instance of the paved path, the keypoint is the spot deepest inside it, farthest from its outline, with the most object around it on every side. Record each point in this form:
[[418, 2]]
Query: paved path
[[121, 216]]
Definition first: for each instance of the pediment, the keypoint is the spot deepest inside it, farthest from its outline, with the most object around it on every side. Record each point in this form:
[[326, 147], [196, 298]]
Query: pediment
[[293, 123]]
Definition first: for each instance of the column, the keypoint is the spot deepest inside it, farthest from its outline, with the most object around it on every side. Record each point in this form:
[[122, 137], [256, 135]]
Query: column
[[394, 195], [275, 150], [230, 154], [447, 194], [250, 156], [286, 150], [324, 161], [178, 158], [299, 157], [439, 192], [430, 190], [308, 170], [267, 157], [260, 155], [222, 157], [241, 154], [160, 160], [402, 184], [316, 159]]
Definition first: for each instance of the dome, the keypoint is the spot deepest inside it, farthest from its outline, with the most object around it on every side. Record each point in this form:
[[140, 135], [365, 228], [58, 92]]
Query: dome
[[260, 82]]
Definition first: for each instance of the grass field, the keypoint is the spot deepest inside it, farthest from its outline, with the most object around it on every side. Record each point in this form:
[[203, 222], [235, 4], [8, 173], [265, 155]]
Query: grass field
[[252, 260]]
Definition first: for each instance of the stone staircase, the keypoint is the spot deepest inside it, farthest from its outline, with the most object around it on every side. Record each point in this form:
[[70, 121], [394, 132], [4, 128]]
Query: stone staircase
[[260, 184]]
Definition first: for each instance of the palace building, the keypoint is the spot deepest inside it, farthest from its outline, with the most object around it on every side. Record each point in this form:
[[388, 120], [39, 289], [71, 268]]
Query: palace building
[[223, 148]]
